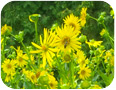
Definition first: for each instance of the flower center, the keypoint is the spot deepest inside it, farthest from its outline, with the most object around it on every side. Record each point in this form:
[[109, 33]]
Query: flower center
[[66, 41], [83, 61], [44, 48], [9, 66], [20, 59], [83, 72], [51, 84], [33, 77], [73, 25], [37, 74]]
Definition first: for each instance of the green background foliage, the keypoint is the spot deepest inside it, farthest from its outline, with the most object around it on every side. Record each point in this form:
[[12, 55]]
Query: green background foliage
[[16, 14]]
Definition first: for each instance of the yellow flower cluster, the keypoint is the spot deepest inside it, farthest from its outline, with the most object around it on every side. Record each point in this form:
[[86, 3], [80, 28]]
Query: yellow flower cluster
[[5, 29], [64, 38], [58, 59], [109, 57], [9, 68]]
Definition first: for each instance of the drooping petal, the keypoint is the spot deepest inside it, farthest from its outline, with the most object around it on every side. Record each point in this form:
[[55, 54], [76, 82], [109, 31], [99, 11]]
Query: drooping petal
[[41, 40], [34, 44], [44, 61], [37, 51]]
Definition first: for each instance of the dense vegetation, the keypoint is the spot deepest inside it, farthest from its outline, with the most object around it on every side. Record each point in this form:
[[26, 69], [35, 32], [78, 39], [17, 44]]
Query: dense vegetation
[[57, 44]]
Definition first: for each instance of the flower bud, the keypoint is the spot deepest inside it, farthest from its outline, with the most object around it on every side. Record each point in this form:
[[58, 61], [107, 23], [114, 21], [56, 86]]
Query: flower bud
[[19, 37], [82, 38], [34, 17], [67, 58], [102, 17], [85, 84]]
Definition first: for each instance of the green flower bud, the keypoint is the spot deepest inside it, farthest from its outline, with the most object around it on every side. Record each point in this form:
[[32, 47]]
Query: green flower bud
[[67, 58], [6, 50], [91, 52], [85, 84], [101, 19], [54, 26], [82, 38], [43, 80], [34, 17], [19, 37], [10, 56], [64, 86], [103, 14], [7, 38]]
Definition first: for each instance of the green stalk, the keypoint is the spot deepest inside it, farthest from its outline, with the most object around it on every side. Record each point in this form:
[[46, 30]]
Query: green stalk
[[103, 65], [27, 52], [72, 74], [25, 49], [92, 18], [36, 33], [112, 44], [3, 54], [110, 38]]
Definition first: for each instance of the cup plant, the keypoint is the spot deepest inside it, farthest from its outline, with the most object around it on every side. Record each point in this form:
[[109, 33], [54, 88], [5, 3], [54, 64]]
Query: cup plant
[[56, 59]]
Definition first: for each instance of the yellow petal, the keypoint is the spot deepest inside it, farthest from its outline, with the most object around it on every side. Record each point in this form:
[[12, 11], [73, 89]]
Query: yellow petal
[[37, 46], [41, 40], [49, 59], [44, 61], [37, 51]]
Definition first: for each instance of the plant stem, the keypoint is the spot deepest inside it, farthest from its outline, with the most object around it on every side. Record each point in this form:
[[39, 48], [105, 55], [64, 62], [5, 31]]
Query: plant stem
[[110, 38], [92, 17], [25, 49], [3, 54], [36, 33], [72, 73], [31, 65]]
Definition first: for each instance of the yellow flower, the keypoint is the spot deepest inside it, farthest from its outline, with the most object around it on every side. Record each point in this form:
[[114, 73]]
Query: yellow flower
[[5, 28], [112, 12], [94, 43], [95, 87], [52, 82], [21, 58], [30, 75], [84, 72], [9, 77], [9, 66], [73, 21], [112, 61], [47, 47], [81, 58], [18, 50], [107, 56], [66, 39], [83, 16], [82, 62], [79, 54], [40, 73], [104, 33]]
